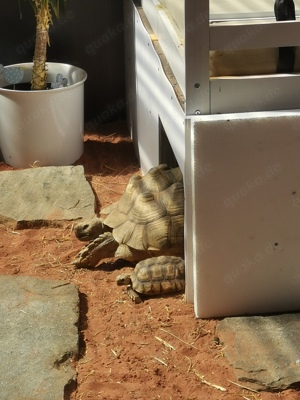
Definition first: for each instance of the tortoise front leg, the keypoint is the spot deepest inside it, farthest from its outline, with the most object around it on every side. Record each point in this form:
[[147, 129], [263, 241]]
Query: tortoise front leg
[[103, 246], [133, 295]]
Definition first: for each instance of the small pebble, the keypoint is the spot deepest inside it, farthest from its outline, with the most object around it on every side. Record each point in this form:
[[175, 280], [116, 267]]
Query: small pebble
[[60, 82]]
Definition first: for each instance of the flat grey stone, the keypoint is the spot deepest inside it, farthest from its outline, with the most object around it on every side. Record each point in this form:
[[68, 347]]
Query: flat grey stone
[[38, 337], [45, 195], [263, 350]]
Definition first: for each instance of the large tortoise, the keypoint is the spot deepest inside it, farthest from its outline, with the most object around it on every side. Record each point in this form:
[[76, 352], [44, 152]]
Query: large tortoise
[[147, 221], [156, 275]]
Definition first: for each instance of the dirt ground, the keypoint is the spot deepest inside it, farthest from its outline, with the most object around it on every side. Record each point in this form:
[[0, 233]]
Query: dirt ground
[[153, 350]]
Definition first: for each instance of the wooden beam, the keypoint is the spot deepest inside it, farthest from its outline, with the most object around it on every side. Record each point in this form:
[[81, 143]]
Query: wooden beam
[[230, 37]]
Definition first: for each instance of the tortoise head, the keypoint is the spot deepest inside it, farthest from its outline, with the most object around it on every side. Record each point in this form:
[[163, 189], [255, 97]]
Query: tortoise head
[[90, 229], [123, 279]]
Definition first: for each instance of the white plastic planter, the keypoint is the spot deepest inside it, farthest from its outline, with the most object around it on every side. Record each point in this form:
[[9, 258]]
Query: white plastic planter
[[44, 126]]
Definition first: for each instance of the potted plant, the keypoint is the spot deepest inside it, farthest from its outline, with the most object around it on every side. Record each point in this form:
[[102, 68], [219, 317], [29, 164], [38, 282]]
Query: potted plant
[[43, 125]]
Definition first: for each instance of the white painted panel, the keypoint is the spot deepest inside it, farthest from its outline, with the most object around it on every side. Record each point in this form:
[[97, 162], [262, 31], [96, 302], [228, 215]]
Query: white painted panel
[[245, 185], [226, 9], [189, 215], [169, 40], [155, 98], [176, 10], [147, 89], [172, 47], [151, 11], [197, 58], [254, 36], [130, 74], [241, 9], [254, 93]]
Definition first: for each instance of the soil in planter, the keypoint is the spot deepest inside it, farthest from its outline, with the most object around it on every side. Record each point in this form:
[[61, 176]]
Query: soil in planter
[[25, 86]]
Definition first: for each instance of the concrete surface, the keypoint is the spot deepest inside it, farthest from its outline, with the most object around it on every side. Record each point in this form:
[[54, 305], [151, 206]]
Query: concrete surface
[[45, 195], [38, 337], [264, 350]]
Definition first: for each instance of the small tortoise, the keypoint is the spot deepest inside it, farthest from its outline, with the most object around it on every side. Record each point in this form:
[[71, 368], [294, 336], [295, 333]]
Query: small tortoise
[[156, 275], [147, 221]]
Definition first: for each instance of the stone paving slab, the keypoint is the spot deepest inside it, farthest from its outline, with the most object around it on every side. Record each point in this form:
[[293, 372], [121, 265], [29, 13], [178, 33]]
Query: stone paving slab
[[45, 195], [264, 350], [38, 337]]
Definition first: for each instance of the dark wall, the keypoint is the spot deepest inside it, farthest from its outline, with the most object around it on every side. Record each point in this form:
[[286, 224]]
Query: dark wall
[[89, 35]]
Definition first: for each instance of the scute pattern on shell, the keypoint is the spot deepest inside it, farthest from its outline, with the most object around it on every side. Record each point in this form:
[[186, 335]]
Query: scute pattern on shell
[[150, 213], [158, 275], [147, 221]]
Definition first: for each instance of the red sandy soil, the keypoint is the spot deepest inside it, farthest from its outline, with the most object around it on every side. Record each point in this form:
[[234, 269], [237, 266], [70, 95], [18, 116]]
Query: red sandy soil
[[153, 350]]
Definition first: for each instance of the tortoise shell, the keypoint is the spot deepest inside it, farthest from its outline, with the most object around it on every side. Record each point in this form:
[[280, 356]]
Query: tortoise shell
[[156, 275], [150, 213], [147, 221]]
